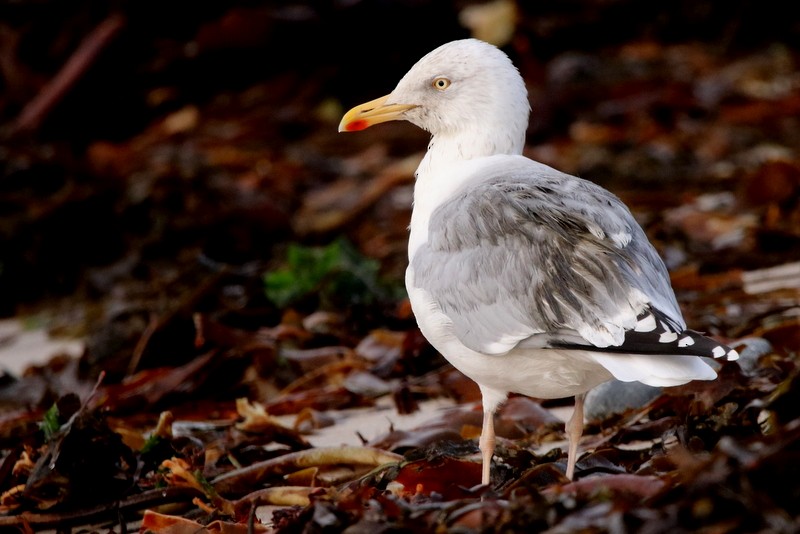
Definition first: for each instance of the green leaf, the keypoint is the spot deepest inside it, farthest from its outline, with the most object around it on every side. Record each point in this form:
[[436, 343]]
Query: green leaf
[[151, 443], [208, 488], [49, 424], [337, 274]]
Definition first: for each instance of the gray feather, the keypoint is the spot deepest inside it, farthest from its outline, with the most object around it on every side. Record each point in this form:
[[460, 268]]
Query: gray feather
[[529, 252]]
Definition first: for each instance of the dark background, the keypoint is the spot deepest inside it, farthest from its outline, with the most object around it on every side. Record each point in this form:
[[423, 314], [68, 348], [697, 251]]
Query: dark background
[[78, 191]]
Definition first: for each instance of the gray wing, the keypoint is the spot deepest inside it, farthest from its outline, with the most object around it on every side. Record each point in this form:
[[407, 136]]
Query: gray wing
[[539, 258]]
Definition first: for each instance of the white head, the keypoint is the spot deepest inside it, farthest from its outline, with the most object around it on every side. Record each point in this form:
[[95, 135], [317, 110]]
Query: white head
[[467, 93]]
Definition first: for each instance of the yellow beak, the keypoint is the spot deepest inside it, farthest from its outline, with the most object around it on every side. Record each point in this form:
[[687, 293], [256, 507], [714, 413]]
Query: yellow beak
[[372, 112]]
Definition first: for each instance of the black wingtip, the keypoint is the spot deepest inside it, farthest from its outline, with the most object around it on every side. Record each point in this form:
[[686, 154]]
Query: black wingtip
[[655, 333], [705, 346]]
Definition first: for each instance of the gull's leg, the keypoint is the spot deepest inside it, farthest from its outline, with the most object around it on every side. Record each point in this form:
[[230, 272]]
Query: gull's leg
[[574, 428], [486, 444]]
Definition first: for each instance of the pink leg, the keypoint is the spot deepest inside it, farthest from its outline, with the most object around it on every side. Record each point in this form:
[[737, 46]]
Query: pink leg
[[486, 445], [574, 428]]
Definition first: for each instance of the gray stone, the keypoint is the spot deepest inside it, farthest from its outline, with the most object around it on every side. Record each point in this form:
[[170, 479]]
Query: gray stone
[[754, 348], [615, 397]]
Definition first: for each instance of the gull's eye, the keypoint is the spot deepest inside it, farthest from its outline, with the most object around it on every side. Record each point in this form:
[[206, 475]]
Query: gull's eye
[[441, 83]]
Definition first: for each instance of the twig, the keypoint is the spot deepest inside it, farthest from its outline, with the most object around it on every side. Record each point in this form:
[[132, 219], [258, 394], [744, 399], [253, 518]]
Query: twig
[[35, 111], [141, 501], [159, 322], [153, 325], [254, 474]]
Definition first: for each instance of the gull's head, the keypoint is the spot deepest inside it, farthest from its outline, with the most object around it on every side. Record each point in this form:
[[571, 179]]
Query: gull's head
[[463, 88]]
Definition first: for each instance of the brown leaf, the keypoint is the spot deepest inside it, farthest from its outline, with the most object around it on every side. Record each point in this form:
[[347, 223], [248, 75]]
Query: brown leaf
[[252, 475], [331, 208], [630, 487], [158, 523], [320, 398], [445, 476]]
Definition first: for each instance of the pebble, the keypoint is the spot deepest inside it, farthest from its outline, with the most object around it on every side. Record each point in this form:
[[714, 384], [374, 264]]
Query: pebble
[[615, 397]]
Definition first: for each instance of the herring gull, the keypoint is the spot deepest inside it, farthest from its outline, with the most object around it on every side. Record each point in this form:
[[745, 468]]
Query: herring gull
[[528, 280]]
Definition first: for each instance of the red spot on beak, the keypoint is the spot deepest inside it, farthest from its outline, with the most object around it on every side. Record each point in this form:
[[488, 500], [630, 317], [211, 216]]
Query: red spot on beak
[[356, 125]]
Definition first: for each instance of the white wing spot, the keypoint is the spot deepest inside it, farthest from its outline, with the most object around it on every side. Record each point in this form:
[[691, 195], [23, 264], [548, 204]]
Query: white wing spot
[[668, 337], [646, 324], [732, 355], [718, 352], [686, 342], [621, 239]]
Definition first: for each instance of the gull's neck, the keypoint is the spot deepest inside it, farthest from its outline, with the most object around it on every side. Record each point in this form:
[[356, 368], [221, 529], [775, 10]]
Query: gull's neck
[[448, 148]]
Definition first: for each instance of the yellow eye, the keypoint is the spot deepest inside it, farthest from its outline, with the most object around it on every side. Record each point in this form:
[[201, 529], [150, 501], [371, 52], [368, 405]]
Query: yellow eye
[[441, 83]]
